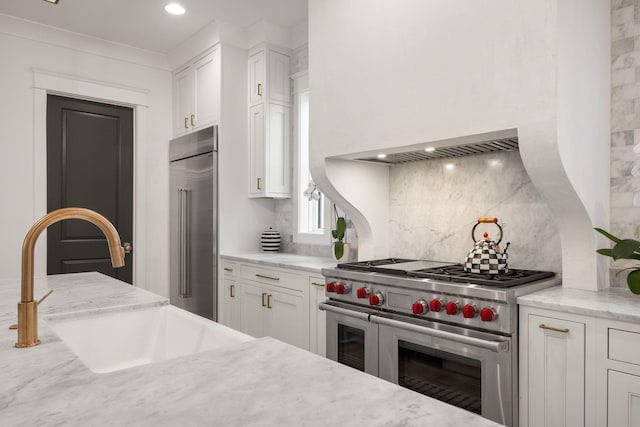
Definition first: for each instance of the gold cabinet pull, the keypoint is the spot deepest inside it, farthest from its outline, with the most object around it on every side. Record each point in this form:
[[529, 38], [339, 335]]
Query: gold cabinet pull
[[321, 285], [259, 184], [259, 89], [551, 328], [231, 289], [268, 277], [269, 301], [263, 295], [228, 269], [193, 120], [186, 123]]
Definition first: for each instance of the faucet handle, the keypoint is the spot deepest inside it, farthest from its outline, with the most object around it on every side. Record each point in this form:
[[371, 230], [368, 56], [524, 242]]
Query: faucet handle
[[15, 325]]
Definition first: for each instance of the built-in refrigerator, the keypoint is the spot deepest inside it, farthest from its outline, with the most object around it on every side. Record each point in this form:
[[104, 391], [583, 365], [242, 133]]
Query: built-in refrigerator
[[193, 174]]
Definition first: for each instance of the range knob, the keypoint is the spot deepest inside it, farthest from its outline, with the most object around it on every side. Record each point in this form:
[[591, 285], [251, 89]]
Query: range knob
[[469, 311], [331, 287], [452, 308], [435, 305], [419, 307], [488, 314], [376, 299], [362, 293], [342, 289]]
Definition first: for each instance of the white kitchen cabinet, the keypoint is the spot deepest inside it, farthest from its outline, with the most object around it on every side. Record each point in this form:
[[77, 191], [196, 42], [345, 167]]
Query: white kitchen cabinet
[[197, 93], [317, 317], [269, 123], [275, 302], [229, 296], [623, 402], [554, 372]]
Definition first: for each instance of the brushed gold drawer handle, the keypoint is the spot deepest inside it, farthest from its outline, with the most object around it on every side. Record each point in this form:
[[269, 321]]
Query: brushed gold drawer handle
[[318, 284], [268, 277], [551, 328], [259, 184], [263, 295], [228, 269], [269, 301], [259, 89], [193, 120], [231, 289], [186, 123]]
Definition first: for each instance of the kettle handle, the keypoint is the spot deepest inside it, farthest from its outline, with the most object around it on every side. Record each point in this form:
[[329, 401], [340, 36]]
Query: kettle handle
[[486, 221]]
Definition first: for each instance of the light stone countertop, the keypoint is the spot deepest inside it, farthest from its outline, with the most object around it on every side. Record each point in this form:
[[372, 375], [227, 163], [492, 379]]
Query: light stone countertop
[[612, 303], [262, 382], [305, 263]]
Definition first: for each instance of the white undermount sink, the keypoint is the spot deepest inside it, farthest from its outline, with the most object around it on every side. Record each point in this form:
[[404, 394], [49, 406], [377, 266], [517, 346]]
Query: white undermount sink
[[119, 340]]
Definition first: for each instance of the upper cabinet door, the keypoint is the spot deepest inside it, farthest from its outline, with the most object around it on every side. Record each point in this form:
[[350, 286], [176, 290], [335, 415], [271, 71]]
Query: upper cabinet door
[[206, 75], [257, 77], [183, 100], [279, 89]]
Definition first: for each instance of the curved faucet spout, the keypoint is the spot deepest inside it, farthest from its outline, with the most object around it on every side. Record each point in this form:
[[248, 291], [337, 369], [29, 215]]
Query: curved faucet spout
[[27, 313]]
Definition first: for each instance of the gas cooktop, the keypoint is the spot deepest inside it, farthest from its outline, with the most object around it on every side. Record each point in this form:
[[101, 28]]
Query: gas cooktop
[[446, 272]]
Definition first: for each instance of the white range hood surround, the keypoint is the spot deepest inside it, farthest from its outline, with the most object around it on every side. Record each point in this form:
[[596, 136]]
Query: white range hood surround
[[385, 77]]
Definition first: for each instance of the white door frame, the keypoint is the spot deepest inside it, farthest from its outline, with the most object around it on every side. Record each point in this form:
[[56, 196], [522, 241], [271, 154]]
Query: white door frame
[[47, 82]]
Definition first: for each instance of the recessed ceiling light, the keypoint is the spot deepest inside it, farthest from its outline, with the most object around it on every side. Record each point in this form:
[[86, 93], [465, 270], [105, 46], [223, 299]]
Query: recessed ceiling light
[[429, 149], [382, 156], [52, 1], [174, 9]]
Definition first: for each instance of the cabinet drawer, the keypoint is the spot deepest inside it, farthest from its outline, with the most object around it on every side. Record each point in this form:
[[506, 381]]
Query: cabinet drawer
[[275, 277], [229, 268], [624, 346]]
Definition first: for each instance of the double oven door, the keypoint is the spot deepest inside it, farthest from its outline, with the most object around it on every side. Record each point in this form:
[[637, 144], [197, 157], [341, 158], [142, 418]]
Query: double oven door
[[472, 370]]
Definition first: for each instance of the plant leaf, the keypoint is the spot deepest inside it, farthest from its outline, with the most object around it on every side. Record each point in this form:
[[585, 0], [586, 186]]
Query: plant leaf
[[633, 281], [338, 249], [334, 233], [605, 252], [341, 227], [626, 249], [607, 235]]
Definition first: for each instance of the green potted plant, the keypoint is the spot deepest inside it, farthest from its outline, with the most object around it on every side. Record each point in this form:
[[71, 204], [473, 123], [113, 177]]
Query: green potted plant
[[624, 249], [339, 234]]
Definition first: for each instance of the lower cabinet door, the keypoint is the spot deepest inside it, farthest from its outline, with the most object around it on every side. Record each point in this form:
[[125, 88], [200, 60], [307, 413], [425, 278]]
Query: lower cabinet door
[[556, 372], [288, 319], [231, 303], [253, 312], [623, 402], [317, 317]]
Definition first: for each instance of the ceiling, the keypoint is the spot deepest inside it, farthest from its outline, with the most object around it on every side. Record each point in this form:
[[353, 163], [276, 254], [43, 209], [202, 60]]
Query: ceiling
[[145, 24]]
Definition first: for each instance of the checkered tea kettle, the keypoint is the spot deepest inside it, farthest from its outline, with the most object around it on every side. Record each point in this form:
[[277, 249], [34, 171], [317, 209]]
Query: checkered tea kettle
[[486, 257]]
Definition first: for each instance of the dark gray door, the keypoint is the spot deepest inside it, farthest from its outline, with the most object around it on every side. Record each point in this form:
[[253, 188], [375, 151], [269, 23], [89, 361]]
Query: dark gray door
[[89, 165]]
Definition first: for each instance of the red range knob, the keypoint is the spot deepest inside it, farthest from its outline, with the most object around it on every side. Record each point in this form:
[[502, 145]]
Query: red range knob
[[488, 314], [376, 299], [341, 288], [362, 293], [469, 311], [435, 305], [419, 307], [331, 287], [452, 307]]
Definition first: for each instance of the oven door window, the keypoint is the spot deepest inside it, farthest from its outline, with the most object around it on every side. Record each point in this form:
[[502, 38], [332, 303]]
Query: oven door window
[[444, 376], [351, 346]]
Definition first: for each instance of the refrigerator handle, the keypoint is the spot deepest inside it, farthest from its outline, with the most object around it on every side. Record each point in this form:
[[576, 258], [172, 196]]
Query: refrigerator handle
[[184, 276]]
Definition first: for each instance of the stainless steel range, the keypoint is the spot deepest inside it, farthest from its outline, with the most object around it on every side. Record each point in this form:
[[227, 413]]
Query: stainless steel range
[[432, 327]]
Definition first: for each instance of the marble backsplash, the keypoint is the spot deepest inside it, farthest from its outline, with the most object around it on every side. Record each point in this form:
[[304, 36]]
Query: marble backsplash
[[434, 205]]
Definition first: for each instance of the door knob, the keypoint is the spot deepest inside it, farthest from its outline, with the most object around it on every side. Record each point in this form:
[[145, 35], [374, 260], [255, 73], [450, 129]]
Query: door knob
[[127, 247]]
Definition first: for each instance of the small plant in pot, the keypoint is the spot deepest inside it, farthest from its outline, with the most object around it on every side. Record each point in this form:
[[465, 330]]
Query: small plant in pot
[[624, 249], [339, 234]]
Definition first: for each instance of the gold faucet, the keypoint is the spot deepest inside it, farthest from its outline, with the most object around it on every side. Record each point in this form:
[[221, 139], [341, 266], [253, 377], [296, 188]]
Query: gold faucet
[[27, 307]]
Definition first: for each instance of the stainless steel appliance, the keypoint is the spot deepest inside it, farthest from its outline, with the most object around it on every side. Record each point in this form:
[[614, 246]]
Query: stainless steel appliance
[[193, 219], [433, 328]]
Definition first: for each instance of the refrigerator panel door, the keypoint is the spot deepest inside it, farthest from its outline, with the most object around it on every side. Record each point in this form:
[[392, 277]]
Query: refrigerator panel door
[[192, 237]]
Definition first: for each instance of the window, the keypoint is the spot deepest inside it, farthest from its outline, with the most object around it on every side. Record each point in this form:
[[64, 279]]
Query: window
[[310, 204]]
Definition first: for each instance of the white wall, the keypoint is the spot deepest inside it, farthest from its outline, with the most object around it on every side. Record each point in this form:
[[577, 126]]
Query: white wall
[[20, 202], [385, 76]]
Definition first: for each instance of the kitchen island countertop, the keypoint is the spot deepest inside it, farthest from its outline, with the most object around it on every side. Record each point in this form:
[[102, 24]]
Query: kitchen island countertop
[[263, 382]]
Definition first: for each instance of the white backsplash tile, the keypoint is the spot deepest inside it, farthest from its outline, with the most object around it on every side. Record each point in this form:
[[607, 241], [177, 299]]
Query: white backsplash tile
[[433, 208]]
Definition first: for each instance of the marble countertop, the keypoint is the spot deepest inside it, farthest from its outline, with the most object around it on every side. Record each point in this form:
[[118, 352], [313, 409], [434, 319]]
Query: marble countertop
[[309, 264], [612, 303], [263, 382]]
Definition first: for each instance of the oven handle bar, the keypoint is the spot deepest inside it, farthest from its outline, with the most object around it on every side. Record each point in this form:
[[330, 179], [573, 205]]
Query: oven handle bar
[[344, 311], [495, 346]]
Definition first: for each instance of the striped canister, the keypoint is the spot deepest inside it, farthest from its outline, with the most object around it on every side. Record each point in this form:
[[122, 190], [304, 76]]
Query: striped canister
[[270, 240]]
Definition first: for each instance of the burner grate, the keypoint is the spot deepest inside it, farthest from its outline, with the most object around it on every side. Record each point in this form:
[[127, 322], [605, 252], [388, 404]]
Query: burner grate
[[456, 273], [367, 265]]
